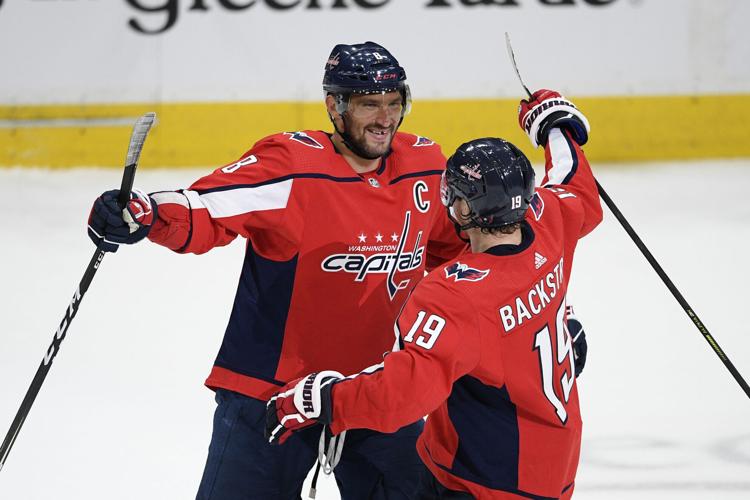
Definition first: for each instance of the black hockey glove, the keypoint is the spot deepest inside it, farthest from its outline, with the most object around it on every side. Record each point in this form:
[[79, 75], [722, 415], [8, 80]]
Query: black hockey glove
[[575, 329], [109, 225]]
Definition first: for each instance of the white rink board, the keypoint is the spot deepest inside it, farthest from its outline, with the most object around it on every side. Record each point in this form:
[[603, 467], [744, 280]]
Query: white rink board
[[123, 413], [84, 51]]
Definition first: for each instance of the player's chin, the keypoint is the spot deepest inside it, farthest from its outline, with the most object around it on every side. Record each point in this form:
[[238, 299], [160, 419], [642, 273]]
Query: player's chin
[[380, 145]]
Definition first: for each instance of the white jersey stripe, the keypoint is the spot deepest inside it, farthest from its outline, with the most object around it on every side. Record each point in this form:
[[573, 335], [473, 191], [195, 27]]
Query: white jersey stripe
[[166, 197], [562, 157], [369, 370], [243, 200], [194, 199]]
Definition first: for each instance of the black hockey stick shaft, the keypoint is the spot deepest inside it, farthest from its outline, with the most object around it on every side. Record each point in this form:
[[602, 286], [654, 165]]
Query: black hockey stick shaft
[[137, 138], [651, 260], [672, 288]]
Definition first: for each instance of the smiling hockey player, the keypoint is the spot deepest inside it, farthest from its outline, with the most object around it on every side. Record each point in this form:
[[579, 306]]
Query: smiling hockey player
[[482, 343]]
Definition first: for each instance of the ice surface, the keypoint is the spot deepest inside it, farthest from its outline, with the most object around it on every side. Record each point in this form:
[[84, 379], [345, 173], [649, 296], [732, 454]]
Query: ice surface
[[123, 413]]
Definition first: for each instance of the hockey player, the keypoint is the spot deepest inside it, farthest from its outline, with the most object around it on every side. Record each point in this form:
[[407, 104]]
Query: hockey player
[[340, 228], [482, 344]]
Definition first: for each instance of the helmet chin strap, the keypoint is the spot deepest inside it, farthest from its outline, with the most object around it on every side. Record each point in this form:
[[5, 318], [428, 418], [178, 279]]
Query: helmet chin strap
[[458, 227]]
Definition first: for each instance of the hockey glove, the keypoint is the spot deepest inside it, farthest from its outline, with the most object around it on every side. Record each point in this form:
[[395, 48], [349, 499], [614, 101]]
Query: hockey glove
[[547, 109], [109, 225], [301, 403], [575, 329]]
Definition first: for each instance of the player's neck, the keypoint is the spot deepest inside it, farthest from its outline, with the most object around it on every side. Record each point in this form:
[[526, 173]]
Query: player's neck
[[358, 164], [481, 242]]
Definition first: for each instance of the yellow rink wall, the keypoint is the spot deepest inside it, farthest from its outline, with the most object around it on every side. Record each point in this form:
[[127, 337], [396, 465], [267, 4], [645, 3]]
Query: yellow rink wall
[[211, 134]]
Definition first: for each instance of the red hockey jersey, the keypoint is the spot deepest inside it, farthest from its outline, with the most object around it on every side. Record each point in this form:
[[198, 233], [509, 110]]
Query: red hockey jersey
[[331, 255], [486, 353]]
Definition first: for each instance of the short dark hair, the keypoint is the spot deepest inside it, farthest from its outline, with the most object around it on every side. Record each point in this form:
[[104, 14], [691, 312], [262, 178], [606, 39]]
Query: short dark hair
[[506, 229]]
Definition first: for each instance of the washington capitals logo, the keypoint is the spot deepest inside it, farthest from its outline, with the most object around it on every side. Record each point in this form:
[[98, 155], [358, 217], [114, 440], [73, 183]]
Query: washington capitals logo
[[333, 61], [463, 272], [305, 139], [392, 258], [423, 141]]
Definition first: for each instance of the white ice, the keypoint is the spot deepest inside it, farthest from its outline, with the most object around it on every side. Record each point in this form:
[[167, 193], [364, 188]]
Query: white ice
[[123, 413]]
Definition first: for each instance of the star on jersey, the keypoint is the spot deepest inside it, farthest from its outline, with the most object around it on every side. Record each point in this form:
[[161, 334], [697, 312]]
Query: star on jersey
[[362, 237]]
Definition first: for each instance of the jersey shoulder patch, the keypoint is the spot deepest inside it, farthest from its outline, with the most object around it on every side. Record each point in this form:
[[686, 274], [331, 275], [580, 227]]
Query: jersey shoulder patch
[[462, 272], [537, 206], [423, 141], [304, 138]]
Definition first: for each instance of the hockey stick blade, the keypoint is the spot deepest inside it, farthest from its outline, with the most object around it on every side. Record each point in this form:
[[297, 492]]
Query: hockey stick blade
[[654, 263], [137, 138]]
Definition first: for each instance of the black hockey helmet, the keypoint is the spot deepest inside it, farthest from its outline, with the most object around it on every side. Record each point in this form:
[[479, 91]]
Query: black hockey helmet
[[364, 68], [495, 179]]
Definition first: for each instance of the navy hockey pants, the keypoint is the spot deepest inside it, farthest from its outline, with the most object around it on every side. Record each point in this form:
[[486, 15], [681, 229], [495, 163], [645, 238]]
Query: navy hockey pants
[[242, 465], [431, 489]]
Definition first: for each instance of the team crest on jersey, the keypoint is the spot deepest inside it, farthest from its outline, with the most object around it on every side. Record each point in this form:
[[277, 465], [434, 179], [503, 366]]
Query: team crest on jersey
[[305, 139], [391, 257], [459, 272], [423, 141], [537, 206]]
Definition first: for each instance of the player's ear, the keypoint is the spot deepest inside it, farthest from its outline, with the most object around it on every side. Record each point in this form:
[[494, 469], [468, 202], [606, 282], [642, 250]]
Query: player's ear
[[331, 107]]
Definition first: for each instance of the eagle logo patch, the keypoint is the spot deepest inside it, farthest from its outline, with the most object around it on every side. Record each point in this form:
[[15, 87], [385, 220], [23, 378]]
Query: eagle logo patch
[[305, 139], [537, 206], [460, 271], [423, 141]]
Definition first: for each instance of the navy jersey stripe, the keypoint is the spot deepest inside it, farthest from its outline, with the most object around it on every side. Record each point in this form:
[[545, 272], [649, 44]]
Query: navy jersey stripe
[[190, 221], [277, 180], [255, 332], [488, 440], [574, 167], [424, 173]]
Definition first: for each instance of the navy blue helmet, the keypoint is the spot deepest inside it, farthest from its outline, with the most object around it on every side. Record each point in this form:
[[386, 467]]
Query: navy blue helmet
[[364, 68], [495, 179]]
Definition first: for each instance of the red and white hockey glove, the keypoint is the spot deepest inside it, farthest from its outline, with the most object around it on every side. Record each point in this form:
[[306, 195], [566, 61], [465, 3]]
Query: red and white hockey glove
[[109, 225], [301, 403], [547, 109]]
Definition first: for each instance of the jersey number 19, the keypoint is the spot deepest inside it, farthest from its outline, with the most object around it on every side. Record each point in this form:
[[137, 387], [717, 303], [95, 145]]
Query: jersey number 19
[[543, 345]]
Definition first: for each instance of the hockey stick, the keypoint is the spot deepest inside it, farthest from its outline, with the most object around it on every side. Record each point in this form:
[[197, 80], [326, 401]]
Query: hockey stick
[[140, 130], [654, 264]]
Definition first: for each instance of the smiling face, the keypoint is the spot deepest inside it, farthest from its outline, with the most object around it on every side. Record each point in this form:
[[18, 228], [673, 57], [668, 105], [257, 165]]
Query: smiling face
[[371, 121]]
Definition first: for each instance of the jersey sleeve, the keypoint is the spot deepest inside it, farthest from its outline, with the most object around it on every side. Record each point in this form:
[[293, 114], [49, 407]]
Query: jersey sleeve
[[568, 175], [439, 334], [244, 198]]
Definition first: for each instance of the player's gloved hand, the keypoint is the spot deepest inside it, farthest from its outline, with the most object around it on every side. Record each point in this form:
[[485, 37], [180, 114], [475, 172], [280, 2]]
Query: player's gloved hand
[[547, 109], [109, 225], [575, 329], [301, 403]]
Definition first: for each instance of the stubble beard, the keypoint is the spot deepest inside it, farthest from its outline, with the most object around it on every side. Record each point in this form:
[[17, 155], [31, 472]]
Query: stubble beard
[[376, 151]]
